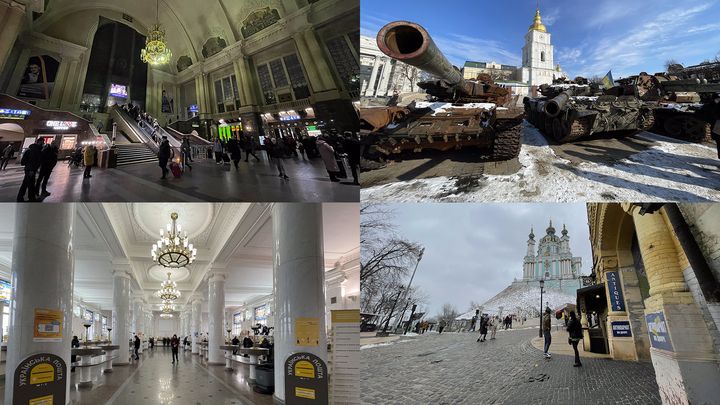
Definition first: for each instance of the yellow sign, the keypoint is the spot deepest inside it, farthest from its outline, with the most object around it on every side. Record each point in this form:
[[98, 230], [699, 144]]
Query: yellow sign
[[48, 325], [307, 331], [46, 400], [304, 368], [304, 393], [345, 316], [42, 373]]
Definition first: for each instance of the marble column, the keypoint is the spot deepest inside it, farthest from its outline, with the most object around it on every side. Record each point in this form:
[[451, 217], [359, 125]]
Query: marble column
[[370, 91], [298, 281], [11, 19], [320, 59], [306, 57], [42, 278], [195, 327], [385, 78], [138, 320], [216, 317]]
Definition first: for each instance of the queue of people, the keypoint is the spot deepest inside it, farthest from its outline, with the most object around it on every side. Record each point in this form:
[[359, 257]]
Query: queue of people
[[39, 160]]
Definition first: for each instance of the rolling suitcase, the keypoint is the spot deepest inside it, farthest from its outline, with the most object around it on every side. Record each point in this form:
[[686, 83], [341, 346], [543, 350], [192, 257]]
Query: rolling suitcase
[[176, 170]]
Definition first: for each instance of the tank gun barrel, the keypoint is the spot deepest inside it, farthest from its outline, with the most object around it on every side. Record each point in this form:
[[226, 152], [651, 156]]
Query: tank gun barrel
[[410, 43], [554, 106]]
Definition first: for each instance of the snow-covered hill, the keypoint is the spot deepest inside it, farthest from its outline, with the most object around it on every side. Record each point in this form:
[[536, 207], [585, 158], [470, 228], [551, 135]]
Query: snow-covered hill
[[523, 299]]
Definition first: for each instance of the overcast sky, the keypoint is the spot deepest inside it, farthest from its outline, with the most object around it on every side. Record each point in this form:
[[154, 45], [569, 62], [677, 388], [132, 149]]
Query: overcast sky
[[473, 251], [590, 36]]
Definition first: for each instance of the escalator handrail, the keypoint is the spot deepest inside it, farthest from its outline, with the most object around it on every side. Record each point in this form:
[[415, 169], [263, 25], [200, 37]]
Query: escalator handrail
[[122, 115], [196, 137]]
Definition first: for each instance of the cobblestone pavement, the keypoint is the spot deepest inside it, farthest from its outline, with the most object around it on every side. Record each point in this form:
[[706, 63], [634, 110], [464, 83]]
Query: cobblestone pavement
[[454, 369]]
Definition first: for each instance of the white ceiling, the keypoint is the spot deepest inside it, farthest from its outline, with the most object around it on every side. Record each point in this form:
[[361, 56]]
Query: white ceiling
[[234, 238]]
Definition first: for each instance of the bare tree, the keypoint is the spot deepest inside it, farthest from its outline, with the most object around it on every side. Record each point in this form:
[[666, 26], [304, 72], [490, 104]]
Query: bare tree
[[474, 305], [448, 313], [411, 73]]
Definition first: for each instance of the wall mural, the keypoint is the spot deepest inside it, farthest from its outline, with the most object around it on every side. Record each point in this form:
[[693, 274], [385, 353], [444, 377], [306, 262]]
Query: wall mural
[[168, 103], [213, 46], [259, 20], [39, 77], [183, 63]]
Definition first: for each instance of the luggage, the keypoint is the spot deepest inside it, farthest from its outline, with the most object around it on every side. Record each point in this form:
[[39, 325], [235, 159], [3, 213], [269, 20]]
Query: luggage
[[176, 169], [344, 166]]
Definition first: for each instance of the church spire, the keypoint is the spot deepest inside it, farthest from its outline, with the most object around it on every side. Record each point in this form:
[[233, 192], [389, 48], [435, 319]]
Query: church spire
[[532, 234], [537, 23], [564, 231], [550, 230]]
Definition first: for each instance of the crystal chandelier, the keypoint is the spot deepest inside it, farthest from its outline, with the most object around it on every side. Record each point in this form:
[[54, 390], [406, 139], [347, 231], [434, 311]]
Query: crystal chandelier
[[166, 315], [168, 291], [156, 51], [167, 307], [173, 249]]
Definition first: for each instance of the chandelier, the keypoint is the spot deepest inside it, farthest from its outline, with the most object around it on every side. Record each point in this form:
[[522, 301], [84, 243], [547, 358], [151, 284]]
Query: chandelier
[[167, 307], [173, 249], [168, 291], [166, 315], [156, 51]]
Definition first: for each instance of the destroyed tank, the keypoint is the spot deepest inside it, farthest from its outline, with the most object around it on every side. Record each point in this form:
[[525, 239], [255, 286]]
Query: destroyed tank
[[568, 111], [454, 113]]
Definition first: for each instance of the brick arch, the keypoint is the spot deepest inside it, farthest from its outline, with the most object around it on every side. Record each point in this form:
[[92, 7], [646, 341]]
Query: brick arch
[[617, 230]]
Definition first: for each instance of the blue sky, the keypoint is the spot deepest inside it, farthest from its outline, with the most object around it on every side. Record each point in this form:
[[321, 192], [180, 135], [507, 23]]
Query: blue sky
[[590, 37]]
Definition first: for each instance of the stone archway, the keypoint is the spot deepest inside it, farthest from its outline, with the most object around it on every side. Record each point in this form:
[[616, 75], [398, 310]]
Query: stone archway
[[11, 132]]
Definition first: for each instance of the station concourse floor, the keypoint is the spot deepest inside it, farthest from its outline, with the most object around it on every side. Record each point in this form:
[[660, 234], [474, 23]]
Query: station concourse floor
[[254, 182], [154, 380]]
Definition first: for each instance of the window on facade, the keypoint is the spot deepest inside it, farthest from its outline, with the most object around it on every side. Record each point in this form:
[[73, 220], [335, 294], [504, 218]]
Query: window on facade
[[346, 62], [297, 77], [237, 323], [227, 96], [542, 56], [283, 80], [261, 315], [266, 84]]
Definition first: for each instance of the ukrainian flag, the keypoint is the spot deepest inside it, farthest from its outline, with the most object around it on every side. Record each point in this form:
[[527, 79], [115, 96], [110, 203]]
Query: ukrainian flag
[[608, 81]]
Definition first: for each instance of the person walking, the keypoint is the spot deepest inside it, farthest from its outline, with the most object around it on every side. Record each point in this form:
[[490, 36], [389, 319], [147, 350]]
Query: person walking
[[250, 147], [575, 335], [483, 328], [494, 321], [89, 154], [351, 146], [165, 154], [74, 344], [49, 160], [186, 151], [136, 344], [441, 326], [218, 151], [233, 147], [32, 160], [327, 152], [276, 152], [8, 153], [547, 325], [174, 345]]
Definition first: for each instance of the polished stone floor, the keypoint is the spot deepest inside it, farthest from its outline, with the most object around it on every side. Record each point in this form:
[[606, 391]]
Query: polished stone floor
[[254, 182], [155, 380]]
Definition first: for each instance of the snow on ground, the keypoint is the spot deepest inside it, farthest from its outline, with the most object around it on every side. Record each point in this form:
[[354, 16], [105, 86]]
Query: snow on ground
[[523, 299], [374, 345], [670, 170]]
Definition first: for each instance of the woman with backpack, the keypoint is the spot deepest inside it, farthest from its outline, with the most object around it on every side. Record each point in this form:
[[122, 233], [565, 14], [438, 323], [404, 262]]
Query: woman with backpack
[[575, 335]]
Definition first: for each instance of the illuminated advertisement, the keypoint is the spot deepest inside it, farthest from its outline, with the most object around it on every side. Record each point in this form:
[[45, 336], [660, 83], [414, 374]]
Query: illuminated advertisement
[[88, 315], [261, 313], [5, 291], [61, 125], [13, 114], [238, 318], [193, 108], [39, 77], [118, 90], [224, 133]]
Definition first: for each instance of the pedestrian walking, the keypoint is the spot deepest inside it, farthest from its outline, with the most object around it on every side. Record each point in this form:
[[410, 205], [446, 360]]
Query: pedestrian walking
[[218, 151], [250, 147], [441, 326], [186, 152], [8, 153], [136, 345], [327, 152], [32, 160], [351, 146], [49, 158], [276, 151], [233, 147], [174, 345], [494, 326], [483, 328], [89, 154], [575, 335], [165, 153], [547, 325]]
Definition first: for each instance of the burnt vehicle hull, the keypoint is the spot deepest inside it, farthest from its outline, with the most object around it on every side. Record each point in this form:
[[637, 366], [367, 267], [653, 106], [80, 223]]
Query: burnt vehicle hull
[[458, 114]]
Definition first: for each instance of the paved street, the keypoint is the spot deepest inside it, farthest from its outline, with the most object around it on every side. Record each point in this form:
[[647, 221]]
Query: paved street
[[453, 369]]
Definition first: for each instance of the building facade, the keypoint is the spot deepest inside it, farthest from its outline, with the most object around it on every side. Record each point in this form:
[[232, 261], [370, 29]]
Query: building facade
[[553, 259], [654, 290], [538, 56], [498, 72], [382, 76]]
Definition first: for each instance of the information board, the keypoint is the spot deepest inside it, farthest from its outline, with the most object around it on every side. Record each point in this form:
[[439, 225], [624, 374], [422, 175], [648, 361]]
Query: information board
[[617, 301], [621, 329], [40, 379], [657, 329], [306, 379], [48, 325]]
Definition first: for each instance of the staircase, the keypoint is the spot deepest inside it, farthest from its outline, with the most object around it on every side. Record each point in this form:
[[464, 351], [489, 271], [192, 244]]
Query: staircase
[[129, 154]]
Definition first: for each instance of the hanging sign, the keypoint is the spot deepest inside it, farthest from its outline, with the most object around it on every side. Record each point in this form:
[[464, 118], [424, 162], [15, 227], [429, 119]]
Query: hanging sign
[[306, 379], [48, 325], [14, 114], [40, 380], [617, 301], [621, 329], [61, 125], [307, 331]]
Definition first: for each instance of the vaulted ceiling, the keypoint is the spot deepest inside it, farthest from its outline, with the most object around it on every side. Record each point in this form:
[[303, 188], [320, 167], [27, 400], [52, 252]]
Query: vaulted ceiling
[[234, 238]]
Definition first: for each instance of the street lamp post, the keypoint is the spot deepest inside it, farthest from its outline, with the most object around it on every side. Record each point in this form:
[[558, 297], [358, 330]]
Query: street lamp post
[[387, 323], [542, 285], [417, 263]]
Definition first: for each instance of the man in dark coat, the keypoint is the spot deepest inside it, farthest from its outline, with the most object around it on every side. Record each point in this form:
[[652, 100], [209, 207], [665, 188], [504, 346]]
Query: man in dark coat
[[49, 159], [32, 160], [136, 344], [174, 346], [164, 155], [233, 146], [351, 146]]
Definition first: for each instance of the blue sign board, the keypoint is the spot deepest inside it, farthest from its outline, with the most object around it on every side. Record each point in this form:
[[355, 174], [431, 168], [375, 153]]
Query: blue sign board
[[621, 329], [657, 329], [14, 114], [193, 108], [617, 301]]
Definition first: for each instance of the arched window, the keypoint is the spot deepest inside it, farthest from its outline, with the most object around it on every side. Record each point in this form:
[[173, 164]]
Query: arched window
[[542, 56]]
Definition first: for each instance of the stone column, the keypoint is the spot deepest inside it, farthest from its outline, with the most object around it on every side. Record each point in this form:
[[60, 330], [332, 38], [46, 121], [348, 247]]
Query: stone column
[[42, 278], [216, 316], [11, 18], [311, 70], [370, 91], [320, 60], [195, 326], [298, 281], [686, 361], [385, 78]]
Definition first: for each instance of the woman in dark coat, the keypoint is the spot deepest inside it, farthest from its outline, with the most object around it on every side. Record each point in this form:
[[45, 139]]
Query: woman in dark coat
[[574, 329], [233, 146], [483, 328]]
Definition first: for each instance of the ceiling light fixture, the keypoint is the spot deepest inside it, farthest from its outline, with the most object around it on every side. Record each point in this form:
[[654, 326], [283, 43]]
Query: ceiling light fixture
[[168, 291], [173, 249], [156, 51]]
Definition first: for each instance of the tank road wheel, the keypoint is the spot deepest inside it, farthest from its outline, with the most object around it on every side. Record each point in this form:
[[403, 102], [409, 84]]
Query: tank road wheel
[[688, 128], [560, 129], [548, 125], [506, 145], [646, 121]]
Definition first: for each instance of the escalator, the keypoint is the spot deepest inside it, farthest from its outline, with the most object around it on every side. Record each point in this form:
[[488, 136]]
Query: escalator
[[141, 148]]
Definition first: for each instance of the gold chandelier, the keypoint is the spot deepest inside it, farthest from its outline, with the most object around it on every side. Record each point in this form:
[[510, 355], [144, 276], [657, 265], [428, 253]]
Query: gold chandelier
[[168, 291], [166, 315], [156, 51], [173, 249], [167, 307]]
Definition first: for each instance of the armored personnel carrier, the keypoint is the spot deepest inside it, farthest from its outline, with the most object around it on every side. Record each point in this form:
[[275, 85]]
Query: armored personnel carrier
[[453, 114], [568, 111]]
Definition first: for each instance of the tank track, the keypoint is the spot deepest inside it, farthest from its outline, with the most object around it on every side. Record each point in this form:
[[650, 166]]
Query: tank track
[[580, 127], [506, 145]]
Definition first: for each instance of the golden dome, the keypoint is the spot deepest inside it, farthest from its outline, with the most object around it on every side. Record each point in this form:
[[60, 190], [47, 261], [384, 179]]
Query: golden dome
[[537, 24]]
